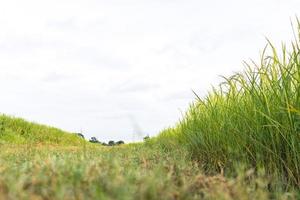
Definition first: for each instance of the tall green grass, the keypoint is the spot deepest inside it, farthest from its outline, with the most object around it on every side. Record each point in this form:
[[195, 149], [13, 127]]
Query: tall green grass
[[251, 119]]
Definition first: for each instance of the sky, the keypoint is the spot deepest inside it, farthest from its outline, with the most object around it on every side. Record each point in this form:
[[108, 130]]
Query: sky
[[120, 70]]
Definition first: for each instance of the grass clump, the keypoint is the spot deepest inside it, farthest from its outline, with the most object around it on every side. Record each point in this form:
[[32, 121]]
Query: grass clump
[[251, 119]]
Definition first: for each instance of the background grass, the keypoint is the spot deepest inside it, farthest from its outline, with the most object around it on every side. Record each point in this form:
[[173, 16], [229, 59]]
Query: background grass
[[18, 131]]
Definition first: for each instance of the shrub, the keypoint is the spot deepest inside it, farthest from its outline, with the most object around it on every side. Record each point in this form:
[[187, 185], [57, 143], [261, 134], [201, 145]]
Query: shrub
[[94, 140], [111, 143], [120, 142]]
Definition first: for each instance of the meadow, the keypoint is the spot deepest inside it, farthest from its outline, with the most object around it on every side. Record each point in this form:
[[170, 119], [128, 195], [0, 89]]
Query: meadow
[[241, 141], [135, 171]]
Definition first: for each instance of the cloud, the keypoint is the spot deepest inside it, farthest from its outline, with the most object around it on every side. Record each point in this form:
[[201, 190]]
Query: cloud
[[55, 77], [69, 24], [134, 85]]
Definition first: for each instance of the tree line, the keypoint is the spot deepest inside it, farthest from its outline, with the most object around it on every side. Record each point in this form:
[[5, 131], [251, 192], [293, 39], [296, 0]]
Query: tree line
[[96, 141]]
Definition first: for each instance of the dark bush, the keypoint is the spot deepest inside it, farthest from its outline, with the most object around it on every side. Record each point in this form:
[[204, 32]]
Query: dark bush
[[111, 143], [120, 142], [94, 140]]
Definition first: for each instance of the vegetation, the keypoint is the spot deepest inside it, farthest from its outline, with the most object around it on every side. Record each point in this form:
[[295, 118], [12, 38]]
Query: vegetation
[[18, 131], [110, 143], [125, 172], [239, 142], [252, 119]]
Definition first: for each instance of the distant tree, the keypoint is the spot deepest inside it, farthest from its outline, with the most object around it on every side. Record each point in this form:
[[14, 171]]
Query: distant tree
[[94, 140], [111, 143], [120, 142], [80, 135], [147, 137]]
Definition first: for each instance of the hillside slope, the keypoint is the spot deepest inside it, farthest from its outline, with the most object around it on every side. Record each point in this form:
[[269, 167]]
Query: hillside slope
[[19, 131]]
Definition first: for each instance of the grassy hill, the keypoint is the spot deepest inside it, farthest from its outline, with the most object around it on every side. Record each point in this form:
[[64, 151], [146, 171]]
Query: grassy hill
[[18, 131]]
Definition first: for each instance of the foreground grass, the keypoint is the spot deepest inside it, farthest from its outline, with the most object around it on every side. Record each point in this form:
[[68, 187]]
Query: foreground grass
[[129, 172], [41, 162]]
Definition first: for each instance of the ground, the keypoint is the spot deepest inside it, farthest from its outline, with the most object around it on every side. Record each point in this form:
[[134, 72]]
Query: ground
[[134, 171]]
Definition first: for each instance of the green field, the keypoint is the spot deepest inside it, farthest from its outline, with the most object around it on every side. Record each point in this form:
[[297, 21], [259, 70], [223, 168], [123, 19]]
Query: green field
[[129, 172], [241, 141]]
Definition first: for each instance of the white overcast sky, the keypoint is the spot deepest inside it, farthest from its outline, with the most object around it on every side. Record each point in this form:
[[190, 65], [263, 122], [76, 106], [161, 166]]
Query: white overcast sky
[[112, 68]]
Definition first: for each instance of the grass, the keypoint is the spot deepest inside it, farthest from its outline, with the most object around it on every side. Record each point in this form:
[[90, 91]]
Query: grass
[[241, 141], [19, 131], [130, 172], [56, 169], [251, 119]]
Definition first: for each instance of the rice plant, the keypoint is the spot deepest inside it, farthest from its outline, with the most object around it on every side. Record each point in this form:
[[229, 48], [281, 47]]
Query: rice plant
[[251, 119]]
